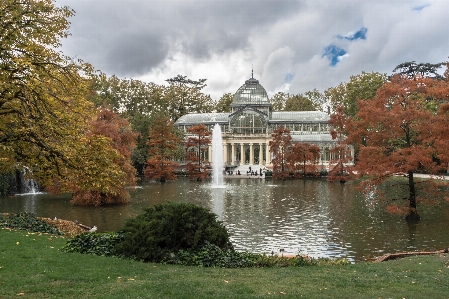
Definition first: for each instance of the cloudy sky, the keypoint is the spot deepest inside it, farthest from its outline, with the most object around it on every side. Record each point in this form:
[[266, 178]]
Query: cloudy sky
[[293, 45]]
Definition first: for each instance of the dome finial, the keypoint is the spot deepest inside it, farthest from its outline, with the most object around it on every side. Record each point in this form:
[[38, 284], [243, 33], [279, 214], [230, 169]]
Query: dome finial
[[252, 71]]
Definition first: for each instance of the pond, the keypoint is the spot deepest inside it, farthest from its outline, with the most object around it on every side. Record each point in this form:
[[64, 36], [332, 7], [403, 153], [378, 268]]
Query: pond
[[310, 216]]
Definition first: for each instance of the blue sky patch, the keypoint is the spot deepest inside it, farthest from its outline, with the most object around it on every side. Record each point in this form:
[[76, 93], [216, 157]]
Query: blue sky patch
[[288, 78], [333, 53], [361, 34], [421, 7]]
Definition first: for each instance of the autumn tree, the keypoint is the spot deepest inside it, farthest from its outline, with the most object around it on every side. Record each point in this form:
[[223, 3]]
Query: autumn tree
[[45, 122], [341, 156], [399, 134], [163, 142], [280, 148], [196, 145], [92, 189], [303, 158]]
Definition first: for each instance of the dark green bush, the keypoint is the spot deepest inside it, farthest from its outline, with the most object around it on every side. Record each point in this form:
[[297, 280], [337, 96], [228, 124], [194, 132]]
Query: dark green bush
[[94, 243], [168, 228], [210, 255], [28, 221]]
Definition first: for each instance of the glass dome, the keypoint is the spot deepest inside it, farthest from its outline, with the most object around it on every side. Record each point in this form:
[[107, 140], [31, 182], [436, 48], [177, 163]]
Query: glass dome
[[250, 93]]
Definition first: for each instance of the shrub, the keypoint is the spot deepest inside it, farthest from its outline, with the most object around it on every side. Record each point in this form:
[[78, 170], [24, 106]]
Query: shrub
[[94, 243], [167, 228], [28, 221], [210, 255]]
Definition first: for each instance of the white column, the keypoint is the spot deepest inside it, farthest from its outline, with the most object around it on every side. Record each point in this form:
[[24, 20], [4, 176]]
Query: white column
[[233, 153], [260, 154], [242, 154], [225, 153], [251, 153], [267, 153]]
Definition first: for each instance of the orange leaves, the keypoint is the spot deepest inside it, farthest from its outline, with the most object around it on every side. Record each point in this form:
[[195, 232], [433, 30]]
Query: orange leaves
[[163, 143]]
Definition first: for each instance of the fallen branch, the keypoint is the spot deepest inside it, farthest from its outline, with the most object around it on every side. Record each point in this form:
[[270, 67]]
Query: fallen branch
[[394, 256]]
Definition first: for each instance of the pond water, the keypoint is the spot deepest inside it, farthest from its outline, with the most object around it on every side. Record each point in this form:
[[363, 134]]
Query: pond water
[[309, 216]]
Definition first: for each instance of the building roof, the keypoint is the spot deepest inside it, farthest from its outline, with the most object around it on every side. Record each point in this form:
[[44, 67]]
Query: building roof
[[295, 116], [250, 93], [310, 138], [202, 118]]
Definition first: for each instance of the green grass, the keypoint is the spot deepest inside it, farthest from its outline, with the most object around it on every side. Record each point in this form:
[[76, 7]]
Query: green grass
[[31, 266]]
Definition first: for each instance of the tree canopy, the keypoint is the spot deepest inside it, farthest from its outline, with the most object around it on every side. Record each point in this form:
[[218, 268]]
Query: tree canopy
[[47, 123], [163, 142], [398, 133]]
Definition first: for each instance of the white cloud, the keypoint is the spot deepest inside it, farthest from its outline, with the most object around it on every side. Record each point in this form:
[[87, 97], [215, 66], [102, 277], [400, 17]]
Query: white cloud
[[221, 40]]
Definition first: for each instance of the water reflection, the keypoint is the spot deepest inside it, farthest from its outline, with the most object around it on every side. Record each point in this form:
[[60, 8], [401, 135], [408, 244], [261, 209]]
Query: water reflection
[[308, 216]]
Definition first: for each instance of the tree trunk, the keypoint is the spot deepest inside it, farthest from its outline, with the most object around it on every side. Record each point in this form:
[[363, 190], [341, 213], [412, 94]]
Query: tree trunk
[[412, 214]]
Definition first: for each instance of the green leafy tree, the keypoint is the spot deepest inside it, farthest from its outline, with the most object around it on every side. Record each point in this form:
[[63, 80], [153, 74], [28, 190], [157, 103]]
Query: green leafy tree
[[299, 103], [278, 101], [184, 96], [412, 69], [360, 87], [224, 104]]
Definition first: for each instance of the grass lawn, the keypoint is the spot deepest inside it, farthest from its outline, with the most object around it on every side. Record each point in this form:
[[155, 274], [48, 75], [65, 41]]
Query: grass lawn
[[31, 266]]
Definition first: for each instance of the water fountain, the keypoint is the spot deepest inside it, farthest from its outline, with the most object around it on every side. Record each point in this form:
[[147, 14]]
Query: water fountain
[[217, 157]]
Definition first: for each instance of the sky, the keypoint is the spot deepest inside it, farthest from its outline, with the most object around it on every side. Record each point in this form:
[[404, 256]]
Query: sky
[[292, 46]]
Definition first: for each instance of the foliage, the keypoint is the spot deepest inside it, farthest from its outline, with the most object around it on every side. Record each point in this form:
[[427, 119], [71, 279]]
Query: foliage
[[46, 120], [309, 101], [27, 221], [398, 133], [210, 255], [360, 87], [303, 159], [42, 106], [299, 103], [412, 69], [290, 159], [5, 179], [103, 244], [224, 103], [184, 96], [122, 140], [341, 156], [279, 147], [196, 146], [278, 101], [299, 260], [163, 142], [167, 228]]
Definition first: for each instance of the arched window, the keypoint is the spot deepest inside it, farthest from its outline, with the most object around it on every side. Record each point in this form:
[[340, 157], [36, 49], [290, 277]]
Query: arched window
[[248, 122]]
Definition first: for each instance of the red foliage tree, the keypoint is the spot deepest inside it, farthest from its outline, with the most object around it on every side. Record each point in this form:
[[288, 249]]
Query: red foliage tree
[[403, 130], [163, 143], [280, 148], [196, 145], [341, 155], [303, 159]]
